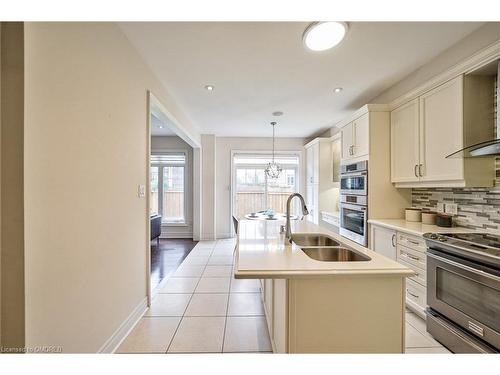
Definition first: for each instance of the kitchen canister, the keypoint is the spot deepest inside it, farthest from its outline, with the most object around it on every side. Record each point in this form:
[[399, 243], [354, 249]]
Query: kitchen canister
[[429, 217], [444, 220], [413, 214]]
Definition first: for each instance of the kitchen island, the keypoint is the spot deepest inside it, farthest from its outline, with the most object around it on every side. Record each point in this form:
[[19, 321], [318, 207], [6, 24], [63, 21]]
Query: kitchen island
[[314, 306]]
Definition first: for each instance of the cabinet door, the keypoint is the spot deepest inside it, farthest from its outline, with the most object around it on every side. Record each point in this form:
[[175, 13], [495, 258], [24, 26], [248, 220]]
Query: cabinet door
[[361, 136], [309, 165], [384, 242], [336, 155], [268, 301], [347, 141], [405, 143], [315, 164], [441, 132], [311, 202], [280, 315]]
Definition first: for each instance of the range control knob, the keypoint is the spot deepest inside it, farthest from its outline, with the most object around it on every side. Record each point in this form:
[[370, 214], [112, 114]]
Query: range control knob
[[442, 239], [433, 236]]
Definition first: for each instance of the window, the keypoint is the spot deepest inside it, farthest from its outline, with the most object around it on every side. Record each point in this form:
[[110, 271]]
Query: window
[[168, 187], [253, 191]]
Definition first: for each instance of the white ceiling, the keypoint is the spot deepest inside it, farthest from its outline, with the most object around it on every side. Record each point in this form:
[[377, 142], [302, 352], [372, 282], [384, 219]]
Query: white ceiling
[[160, 127], [261, 67]]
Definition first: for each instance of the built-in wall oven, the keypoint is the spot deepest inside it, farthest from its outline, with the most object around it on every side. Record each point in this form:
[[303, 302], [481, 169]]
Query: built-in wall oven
[[354, 178], [463, 291], [353, 202]]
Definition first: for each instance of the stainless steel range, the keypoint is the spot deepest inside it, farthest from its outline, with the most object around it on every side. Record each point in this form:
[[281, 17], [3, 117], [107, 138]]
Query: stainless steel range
[[463, 291]]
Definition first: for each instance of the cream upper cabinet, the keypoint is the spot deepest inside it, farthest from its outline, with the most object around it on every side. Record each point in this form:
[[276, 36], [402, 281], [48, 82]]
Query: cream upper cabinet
[[427, 129], [355, 138], [405, 142], [347, 136], [441, 132], [361, 136]]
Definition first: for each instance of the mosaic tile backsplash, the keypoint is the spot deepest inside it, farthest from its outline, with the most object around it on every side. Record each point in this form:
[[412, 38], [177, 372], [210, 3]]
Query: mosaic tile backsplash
[[478, 208]]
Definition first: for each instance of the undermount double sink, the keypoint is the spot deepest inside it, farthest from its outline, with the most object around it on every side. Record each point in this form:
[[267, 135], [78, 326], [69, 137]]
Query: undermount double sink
[[325, 249]]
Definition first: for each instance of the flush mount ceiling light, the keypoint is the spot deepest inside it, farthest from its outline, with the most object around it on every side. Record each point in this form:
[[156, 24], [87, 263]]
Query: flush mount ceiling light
[[320, 36], [209, 87], [336, 90]]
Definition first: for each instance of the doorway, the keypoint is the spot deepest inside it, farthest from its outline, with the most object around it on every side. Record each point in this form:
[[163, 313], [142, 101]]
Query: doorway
[[253, 191], [173, 164]]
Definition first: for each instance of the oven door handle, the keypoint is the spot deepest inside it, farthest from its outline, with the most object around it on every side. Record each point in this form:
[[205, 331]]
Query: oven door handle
[[464, 267], [353, 174], [353, 207]]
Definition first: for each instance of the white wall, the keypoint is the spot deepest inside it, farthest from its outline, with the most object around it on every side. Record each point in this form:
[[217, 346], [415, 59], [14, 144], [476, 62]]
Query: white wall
[[208, 195], [175, 143], [86, 152], [224, 146]]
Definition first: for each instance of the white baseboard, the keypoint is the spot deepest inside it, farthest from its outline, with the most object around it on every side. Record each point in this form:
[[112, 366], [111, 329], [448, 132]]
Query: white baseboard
[[176, 235], [124, 329]]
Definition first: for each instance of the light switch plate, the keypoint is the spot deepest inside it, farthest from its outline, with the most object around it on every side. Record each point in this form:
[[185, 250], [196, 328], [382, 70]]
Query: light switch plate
[[451, 208], [440, 207], [141, 191]]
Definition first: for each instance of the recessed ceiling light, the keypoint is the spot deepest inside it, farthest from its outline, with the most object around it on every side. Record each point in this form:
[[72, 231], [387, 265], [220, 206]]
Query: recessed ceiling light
[[320, 36], [160, 126], [337, 89], [209, 87], [278, 113]]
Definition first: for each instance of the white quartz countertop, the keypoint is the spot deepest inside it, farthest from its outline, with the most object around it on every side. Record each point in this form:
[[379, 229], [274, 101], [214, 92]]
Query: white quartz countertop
[[261, 252], [416, 228]]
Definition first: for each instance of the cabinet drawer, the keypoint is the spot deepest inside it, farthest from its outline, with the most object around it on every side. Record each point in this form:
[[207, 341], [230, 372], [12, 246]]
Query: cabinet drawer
[[414, 242], [412, 256], [416, 293], [421, 275]]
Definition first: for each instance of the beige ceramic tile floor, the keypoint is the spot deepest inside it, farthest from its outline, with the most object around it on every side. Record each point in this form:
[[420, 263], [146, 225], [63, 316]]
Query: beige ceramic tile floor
[[203, 309]]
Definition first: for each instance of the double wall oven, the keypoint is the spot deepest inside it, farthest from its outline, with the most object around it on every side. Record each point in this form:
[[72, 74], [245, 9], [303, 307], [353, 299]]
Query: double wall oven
[[354, 201], [463, 291]]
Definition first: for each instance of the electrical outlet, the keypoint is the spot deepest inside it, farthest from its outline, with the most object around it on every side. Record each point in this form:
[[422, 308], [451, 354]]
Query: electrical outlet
[[451, 208], [440, 207]]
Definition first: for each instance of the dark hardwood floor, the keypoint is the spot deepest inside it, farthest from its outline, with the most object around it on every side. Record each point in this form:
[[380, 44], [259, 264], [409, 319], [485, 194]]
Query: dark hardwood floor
[[166, 257]]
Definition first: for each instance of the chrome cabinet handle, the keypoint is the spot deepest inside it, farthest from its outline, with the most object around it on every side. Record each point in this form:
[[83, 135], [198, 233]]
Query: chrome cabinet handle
[[420, 170], [413, 242], [392, 240], [415, 170], [411, 294], [352, 150]]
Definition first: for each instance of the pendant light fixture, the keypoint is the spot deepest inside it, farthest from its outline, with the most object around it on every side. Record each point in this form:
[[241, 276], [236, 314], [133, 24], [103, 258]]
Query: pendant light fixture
[[273, 170]]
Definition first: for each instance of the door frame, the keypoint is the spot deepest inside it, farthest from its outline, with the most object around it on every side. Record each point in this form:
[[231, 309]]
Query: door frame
[[298, 182], [154, 105]]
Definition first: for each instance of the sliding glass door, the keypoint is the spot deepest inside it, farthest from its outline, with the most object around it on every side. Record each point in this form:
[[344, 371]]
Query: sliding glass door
[[254, 191]]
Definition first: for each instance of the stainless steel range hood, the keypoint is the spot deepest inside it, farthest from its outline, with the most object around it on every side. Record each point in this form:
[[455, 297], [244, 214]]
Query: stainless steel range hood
[[488, 148]]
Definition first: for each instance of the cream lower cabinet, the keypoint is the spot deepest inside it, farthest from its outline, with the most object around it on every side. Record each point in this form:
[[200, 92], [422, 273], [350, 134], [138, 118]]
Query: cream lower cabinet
[[383, 241], [410, 251], [329, 315]]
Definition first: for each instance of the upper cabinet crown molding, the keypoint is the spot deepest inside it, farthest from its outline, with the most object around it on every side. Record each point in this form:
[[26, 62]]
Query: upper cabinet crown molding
[[361, 111], [480, 58]]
